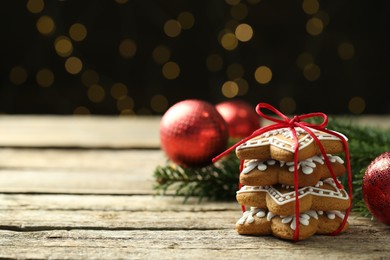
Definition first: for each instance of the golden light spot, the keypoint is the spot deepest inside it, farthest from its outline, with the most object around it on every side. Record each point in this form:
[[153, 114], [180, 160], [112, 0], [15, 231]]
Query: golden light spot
[[244, 32], [229, 41], [18, 75], [242, 86], [186, 20], [253, 2], [89, 77], [214, 62], [121, 1], [159, 103], [357, 105], [234, 71], [96, 93], [311, 72], [78, 32], [35, 6], [127, 48], [263, 74], [125, 103], [232, 2], [73, 65], [63, 46], [118, 90], [346, 51], [161, 54], [303, 59], [230, 89], [171, 70], [45, 25], [45, 78], [81, 111], [287, 105], [239, 11], [310, 6], [314, 26], [172, 28]]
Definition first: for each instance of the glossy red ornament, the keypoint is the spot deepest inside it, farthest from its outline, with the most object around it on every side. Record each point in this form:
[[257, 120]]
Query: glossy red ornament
[[240, 116], [376, 188], [192, 132]]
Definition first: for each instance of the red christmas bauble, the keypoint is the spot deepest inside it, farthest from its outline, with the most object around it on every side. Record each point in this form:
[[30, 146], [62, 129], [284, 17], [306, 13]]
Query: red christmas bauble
[[241, 117], [192, 132], [376, 188]]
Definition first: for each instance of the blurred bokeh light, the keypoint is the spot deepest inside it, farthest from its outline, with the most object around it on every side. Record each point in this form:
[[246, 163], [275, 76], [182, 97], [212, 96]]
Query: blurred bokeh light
[[139, 57]]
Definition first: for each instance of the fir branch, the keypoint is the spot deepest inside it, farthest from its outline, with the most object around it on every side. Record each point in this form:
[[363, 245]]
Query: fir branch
[[216, 182], [220, 181], [365, 144]]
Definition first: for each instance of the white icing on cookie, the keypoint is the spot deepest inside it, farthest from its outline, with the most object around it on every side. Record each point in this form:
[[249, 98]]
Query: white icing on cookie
[[261, 165], [284, 198], [248, 216], [305, 139], [307, 165], [304, 218], [332, 214]]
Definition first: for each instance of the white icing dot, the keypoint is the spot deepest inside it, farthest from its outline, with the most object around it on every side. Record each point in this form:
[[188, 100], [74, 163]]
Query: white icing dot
[[286, 220], [331, 215], [270, 215], [271, 162], [304, 222], [260, 214], [307, 170], [293, 224]]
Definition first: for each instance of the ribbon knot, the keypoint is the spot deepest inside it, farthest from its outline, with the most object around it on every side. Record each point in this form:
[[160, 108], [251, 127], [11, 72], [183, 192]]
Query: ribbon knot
[[293, 120], [297, 121]]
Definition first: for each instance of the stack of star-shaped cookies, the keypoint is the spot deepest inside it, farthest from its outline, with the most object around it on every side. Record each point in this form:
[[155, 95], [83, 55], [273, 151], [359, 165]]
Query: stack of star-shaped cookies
[[268, 180]]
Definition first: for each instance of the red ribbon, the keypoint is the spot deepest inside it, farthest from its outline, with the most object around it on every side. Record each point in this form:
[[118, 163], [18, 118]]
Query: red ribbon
[[296, 121]]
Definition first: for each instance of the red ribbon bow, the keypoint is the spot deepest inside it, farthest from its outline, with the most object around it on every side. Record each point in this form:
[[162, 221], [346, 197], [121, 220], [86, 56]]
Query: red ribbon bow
[[296, 121]]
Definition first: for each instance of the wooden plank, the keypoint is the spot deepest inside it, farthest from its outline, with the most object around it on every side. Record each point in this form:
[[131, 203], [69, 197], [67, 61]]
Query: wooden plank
[[102, 131], [47, 212], [36, 220], [108, 227], [126, 212], [79, 131], [79, 171], [363, 241], [69, 202]]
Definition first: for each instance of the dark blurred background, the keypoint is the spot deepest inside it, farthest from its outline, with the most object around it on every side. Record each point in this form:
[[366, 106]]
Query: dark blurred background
[[113, 57]]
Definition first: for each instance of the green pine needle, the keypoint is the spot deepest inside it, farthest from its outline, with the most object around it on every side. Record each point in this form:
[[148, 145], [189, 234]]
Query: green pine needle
[[220, 181]]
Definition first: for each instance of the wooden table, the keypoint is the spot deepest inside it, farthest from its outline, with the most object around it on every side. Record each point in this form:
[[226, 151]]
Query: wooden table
[[81, 188]]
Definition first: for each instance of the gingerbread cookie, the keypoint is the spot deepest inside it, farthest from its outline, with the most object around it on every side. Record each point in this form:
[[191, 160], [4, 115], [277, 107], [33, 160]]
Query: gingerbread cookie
[[280, 199], [271, 172], [292, 152], [279, 145], [262, 222]]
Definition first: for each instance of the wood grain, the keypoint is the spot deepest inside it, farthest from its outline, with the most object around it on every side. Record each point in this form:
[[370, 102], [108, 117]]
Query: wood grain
[[82, 188], [79, 131], [103, 131], [50, 226], [78, 171]]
